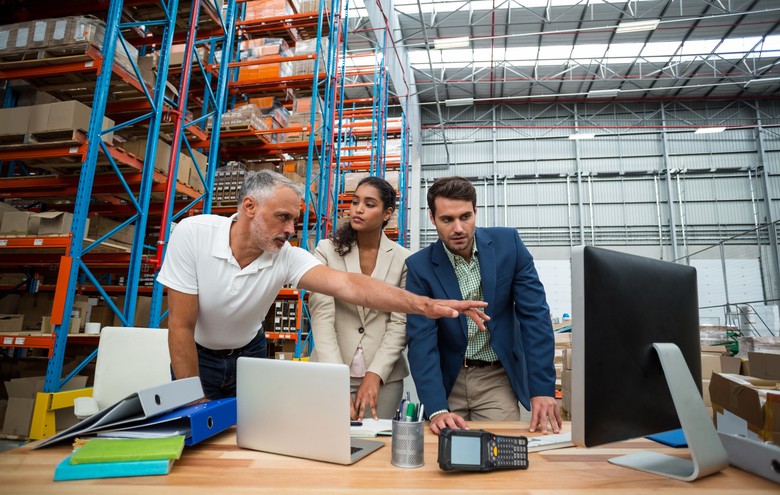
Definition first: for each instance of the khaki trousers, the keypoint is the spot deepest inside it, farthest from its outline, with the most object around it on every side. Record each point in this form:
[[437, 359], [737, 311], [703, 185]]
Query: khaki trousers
[[484, 394]]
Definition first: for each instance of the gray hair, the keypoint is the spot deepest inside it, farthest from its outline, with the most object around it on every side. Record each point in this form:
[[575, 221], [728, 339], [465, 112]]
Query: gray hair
[[259, 185]]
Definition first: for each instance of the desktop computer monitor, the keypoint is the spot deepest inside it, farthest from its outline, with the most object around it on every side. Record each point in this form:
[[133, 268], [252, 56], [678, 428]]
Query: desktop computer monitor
[[636, 364]]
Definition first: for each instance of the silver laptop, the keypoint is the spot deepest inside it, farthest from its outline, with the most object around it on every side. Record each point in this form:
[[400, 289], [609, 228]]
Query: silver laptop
[[297, 408]]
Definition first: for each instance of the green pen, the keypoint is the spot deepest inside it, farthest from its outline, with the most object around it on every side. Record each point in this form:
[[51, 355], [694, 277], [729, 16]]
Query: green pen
[[410, 412]]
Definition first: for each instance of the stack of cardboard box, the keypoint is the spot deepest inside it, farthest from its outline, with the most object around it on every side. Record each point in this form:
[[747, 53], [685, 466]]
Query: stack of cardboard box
[[747, 402]]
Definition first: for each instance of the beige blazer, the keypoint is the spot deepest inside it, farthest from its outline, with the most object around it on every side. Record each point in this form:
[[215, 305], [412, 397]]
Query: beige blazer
[[336, 325]]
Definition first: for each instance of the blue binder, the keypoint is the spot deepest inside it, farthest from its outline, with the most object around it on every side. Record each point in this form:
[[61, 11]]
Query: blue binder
[[197, 422]]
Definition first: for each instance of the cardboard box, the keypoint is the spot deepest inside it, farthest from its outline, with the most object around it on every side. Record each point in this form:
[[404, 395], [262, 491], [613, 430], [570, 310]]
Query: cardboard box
[[16, 223], [34, 307], [21, 400], [54, 222], [64, 116], [46, 325], [284, 355], [11, 323], [730, 364], [161, 158], [705, 392], [753, 401], [142, 312], [764, 365], [710, 363], [14, 121], [563, 339], [100, 226]]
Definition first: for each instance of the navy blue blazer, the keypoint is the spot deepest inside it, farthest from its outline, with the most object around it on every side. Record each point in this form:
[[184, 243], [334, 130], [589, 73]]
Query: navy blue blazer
[[520, 326]]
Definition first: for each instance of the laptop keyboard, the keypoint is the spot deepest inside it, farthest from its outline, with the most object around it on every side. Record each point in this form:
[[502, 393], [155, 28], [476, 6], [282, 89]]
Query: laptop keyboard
[[355, 449]]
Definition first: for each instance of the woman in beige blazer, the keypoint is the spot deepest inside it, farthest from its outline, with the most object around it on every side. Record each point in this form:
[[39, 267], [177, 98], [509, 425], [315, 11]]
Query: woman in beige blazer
[[369, 341]]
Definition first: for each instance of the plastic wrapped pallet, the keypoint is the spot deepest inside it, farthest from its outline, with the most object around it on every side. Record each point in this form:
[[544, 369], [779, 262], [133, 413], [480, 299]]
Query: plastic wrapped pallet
[[308, 47], [242, 117], [264, 9]]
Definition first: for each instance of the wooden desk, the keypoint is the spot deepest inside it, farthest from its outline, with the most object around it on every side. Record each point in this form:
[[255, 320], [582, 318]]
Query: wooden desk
[[219, 467]]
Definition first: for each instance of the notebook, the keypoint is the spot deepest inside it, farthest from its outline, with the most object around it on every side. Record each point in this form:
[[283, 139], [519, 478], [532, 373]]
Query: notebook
[[297, 408]]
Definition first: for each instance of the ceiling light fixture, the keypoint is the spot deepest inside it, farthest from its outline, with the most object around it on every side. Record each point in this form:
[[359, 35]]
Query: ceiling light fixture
[[446, 43], [637, 26], [709, 130], [581, 136], [459, 102], [603, 93]]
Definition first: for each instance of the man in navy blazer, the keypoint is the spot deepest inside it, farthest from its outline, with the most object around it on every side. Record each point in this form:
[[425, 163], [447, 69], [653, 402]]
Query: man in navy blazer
[[460, 372]]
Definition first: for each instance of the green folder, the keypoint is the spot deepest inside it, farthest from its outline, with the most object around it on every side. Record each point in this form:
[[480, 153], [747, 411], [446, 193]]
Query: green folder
[[128, 449]]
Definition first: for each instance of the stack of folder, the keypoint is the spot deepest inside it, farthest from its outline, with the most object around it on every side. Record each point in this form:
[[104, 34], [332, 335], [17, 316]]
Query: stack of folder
[[118, 457]]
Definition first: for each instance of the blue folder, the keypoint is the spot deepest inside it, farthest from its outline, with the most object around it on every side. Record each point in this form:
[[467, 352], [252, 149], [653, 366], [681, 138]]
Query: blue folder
[[197, 422], [66, 471], [672, 438]]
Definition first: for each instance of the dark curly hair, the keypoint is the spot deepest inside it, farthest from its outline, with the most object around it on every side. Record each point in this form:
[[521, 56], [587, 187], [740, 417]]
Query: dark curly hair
[[345, 237]]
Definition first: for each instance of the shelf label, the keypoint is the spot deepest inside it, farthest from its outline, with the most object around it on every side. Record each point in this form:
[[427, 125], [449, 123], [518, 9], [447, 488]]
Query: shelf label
[[73, 151], [8, 340], [3, 242], [91, 63], [19, 341], [38, 242]]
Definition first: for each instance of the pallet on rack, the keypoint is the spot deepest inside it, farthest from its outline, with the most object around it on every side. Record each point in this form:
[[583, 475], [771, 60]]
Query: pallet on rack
[[58, 55]]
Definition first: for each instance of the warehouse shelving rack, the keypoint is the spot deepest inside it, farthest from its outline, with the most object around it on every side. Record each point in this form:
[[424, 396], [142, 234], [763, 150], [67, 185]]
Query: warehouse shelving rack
[[325, 28], [134, 180], [368, 120]]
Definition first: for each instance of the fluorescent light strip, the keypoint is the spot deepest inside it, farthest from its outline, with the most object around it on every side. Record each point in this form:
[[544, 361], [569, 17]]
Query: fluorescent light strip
[[637, 26], [603, 93], [709, 130], [582, 136], [459, 102], [446, 43]]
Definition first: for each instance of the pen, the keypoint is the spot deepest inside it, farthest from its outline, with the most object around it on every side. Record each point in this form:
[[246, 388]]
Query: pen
[[420, 416]]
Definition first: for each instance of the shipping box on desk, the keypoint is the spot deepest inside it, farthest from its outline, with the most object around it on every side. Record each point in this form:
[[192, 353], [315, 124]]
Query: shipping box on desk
[[752, 402]]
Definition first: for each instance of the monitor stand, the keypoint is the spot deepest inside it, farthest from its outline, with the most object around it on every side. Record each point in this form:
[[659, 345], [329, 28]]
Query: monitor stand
[[707, 453]]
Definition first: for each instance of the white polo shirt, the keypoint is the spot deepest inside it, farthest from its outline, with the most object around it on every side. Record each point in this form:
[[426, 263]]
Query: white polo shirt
[[232, 303]]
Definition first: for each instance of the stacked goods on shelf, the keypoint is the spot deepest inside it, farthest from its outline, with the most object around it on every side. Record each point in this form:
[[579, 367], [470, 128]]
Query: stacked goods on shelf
[[185, 174], [307, 47], [49, 35], [563, 380], [263, 49], [47, 123], [352, 179], [245, 117], [285, 315], [264, 9], [301, 117], [273, 115], [227, 182]]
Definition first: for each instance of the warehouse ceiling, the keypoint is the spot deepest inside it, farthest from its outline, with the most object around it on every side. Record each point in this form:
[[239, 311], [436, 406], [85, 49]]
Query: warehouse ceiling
[[519, 51]]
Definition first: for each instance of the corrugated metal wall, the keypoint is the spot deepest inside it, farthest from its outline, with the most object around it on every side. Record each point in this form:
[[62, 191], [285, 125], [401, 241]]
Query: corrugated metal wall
[[646, 179]]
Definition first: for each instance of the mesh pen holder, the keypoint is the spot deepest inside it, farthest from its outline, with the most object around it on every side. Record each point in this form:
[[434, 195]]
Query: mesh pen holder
[[407, 445]]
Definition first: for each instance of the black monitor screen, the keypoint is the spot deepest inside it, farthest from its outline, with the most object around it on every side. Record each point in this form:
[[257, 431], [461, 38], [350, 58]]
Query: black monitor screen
[[622, 305]]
